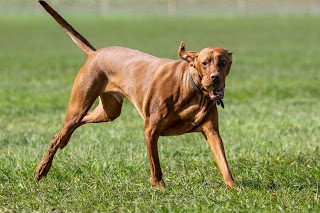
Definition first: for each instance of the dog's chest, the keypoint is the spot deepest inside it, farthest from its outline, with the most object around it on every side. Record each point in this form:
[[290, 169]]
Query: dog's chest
[[196, 112], [179, 128], [188, 120]]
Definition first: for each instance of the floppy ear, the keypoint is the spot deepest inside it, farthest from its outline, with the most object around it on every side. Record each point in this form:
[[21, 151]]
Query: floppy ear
[[188, 56]]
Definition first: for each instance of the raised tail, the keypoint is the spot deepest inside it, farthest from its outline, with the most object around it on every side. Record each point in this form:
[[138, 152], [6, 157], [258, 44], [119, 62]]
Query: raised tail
[[84, 45]]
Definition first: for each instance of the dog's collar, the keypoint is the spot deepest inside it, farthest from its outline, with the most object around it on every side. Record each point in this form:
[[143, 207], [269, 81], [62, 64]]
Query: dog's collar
[[200, 91]]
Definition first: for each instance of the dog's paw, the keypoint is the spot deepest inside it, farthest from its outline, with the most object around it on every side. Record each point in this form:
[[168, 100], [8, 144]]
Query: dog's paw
[[42, 169], [233, 186], [39, 172], [158, 184]]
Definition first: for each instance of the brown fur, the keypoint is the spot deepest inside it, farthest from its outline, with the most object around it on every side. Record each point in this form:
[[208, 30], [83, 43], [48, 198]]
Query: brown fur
[[160, 89]]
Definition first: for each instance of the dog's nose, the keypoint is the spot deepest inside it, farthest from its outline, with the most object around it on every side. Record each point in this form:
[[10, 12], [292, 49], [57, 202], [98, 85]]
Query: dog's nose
[[214, 76]]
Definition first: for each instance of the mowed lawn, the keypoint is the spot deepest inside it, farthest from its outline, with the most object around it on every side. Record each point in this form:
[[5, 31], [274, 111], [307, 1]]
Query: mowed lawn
[[270, 124]]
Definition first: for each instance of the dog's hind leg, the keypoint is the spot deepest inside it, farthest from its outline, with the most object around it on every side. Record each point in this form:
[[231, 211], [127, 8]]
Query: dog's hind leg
[[84, 93], [108, 109]]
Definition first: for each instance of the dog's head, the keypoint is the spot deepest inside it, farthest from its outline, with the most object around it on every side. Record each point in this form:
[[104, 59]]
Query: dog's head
[[213, 65]]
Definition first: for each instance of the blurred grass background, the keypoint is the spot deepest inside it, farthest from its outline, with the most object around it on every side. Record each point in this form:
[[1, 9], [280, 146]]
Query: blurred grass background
[[270, 125], [171, 7]]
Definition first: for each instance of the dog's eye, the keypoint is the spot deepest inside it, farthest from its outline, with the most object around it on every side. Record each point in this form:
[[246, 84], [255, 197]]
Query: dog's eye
[[222, 62], [204, 63]]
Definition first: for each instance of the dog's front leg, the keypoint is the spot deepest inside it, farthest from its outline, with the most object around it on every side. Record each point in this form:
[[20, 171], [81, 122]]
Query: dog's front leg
[[211, 133], [152, 147]]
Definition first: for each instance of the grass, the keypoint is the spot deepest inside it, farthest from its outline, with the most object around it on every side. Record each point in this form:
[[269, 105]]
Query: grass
[[270, 125]]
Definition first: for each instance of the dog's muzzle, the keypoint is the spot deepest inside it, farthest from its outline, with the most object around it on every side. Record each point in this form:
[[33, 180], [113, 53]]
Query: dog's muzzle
[[212, 89]]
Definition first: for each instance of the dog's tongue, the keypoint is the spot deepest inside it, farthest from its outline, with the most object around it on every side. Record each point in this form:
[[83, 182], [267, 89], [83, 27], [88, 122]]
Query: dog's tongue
[[216, 95], [211, 94]]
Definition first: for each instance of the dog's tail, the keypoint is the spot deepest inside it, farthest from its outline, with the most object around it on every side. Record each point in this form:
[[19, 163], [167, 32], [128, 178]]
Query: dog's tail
[[84, 45]]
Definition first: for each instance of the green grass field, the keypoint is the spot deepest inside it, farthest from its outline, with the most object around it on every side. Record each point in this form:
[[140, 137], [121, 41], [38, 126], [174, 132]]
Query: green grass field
[[270, 125]]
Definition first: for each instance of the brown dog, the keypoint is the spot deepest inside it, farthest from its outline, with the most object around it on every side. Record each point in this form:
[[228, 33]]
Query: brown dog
[[172, 96]]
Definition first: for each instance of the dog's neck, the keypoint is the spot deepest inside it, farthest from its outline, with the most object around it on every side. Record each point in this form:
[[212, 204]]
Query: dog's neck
[[195, 80]]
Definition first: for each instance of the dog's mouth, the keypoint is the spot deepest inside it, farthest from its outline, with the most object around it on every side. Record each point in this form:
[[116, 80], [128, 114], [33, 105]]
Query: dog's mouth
[[216, 95], [214, 92]]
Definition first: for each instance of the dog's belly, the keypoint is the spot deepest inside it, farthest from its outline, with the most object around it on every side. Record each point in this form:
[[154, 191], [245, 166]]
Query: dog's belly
[[180, 128]]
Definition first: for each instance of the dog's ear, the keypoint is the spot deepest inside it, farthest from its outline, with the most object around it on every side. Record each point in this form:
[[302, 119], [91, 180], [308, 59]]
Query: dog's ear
[[230, 56], [188, 56]]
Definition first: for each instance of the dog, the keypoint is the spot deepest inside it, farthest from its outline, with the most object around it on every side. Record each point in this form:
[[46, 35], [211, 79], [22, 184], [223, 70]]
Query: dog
[[173, 97]]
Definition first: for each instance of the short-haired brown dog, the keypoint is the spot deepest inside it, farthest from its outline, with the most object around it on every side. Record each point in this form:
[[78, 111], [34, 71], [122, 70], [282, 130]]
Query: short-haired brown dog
[[173, 97]]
